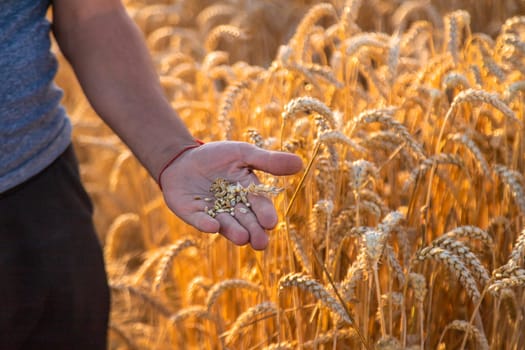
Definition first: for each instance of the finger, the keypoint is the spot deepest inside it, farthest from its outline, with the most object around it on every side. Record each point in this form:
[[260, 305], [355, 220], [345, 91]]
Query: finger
[[261, 205], [232, 229], [273, 162], [264, 210], [203, 222], [258, 237]]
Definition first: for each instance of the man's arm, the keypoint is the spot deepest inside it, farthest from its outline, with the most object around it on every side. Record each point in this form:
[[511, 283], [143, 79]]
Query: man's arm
[[111, 61], [109, 56]]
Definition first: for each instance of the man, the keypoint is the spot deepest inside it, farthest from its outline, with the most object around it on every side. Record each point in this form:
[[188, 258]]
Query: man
[[52, 282]]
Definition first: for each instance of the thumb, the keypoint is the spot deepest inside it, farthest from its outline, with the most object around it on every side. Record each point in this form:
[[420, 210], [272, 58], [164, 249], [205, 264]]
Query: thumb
[[273, 162]]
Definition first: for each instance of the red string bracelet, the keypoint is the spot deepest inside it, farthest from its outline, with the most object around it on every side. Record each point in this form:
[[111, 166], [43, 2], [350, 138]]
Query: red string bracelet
[[199, 143]]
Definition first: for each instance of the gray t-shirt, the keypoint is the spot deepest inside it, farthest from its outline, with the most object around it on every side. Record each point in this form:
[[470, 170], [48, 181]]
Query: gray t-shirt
[[34, 128]]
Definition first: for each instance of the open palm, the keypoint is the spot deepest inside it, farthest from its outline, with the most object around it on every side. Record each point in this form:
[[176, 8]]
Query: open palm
[[186, 182]]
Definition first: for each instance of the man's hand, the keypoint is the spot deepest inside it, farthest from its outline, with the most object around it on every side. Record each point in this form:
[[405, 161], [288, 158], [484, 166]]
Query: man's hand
[[186, 182]]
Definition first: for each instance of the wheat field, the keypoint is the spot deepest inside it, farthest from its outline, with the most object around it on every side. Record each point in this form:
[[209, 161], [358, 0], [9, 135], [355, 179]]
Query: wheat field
[[405, 229]]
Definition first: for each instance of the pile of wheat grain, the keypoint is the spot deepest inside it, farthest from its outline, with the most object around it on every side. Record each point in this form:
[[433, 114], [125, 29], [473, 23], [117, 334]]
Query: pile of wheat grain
[[404, 231]]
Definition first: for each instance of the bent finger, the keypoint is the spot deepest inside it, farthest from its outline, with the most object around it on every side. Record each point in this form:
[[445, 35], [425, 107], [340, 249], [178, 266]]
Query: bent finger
[[232, 229], [258, 236]]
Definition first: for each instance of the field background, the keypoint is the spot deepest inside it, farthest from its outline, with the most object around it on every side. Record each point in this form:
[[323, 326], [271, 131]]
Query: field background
[[404, 231]]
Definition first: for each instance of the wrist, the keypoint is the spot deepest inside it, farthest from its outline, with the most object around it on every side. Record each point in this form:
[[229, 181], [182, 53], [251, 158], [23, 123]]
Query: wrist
[[196, 143]]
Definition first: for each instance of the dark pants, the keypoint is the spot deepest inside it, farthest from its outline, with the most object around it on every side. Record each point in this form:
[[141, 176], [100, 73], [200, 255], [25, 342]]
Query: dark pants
[[53, 288]]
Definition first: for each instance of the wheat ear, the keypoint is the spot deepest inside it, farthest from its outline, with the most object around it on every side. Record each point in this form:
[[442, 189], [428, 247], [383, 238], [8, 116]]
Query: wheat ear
[[199, 282], [196, 311], [166, 261], [455, 266], [518, 251], [469, 232], [226, 104], [474, 150], [314, 14], [117, 229], [142, 295], [249, 317], [385, 116], [216, 291], [208, 14], [319, 292], [224, 30], [463, 252], [507, 277], [116, 329], [307, 104], [472, 331]]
